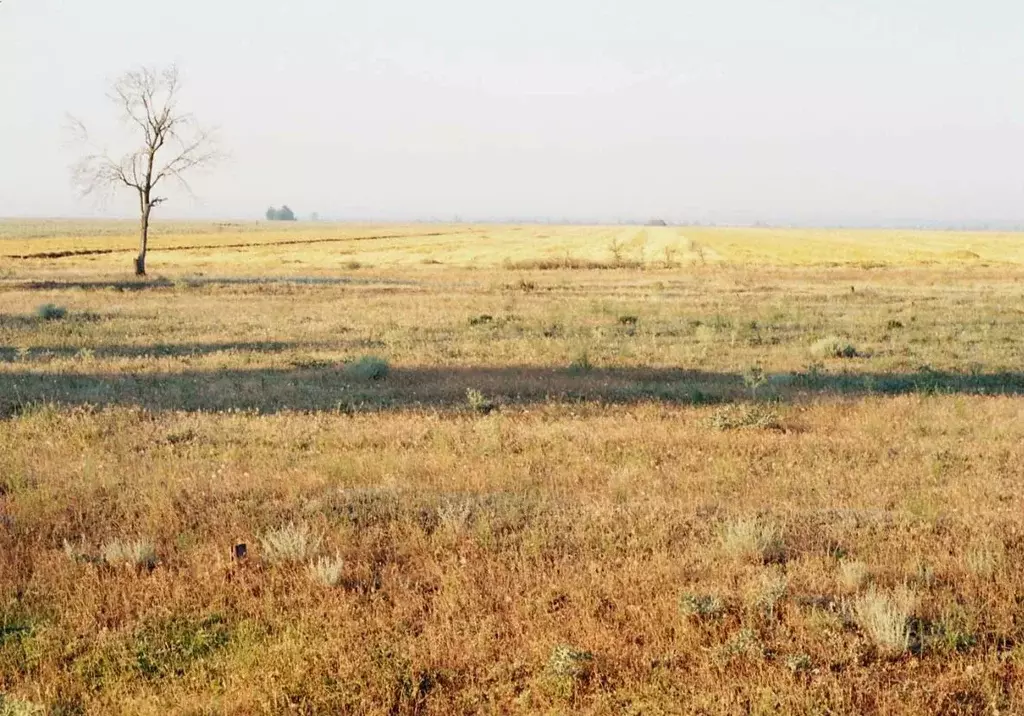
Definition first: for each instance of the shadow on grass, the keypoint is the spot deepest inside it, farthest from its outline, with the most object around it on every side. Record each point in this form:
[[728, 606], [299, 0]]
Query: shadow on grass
[[24, 322], [129, 285], [159, 350], [326, 388]]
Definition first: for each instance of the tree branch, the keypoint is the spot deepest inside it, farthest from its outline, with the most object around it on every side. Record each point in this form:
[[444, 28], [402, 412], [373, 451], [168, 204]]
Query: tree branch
[[147, 100]]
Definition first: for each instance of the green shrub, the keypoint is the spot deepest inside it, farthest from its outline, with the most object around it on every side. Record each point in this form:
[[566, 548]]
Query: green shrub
[[754, 378], [567, 661], [51, 312], [368, 368], [478, 402], [12, 706], [798, 663], [581, 365], [701, 606], [567, 669]]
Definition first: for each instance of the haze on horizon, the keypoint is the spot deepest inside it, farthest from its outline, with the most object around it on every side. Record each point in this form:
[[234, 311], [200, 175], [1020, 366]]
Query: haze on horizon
[[795, 111]]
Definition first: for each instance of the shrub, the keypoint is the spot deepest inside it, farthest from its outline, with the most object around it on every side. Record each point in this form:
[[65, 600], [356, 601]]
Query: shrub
[[12, 706], [567, 661], [798, 663], [78, 552], [752, 539], [745, 643], [852, 575], [581, 364], [290, 544], [701, 606], [51, 312], [615, 248], [629, 320], [833, 347], [734, 417], [953, 631], [368, 368], [135, 553], [754, 378], [567, 668], [885, 618], [768, 592], [326, 570], [478, 402]]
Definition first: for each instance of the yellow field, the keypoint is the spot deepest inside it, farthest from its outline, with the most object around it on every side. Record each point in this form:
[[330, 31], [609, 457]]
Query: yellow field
[[320, 247], [510, 470]]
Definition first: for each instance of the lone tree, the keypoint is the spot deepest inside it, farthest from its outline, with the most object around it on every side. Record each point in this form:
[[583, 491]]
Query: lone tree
[[170, 144]]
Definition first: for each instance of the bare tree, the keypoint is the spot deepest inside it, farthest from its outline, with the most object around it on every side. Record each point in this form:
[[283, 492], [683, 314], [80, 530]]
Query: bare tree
[[171, 144]]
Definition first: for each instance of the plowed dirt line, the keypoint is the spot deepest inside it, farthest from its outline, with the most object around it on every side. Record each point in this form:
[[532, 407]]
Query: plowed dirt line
[[248, 245]]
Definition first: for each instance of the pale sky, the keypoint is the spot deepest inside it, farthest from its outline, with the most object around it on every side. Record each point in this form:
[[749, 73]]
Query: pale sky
[[812, 111]]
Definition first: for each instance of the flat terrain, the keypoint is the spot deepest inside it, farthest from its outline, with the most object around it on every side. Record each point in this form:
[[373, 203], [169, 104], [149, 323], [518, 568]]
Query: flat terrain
[[510, 469]]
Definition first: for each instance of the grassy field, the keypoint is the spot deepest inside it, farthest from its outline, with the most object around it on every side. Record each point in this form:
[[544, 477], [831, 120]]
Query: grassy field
[[641, 470]]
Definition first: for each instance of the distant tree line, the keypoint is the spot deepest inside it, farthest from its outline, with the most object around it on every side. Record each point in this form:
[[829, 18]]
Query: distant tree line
[[282, 214]]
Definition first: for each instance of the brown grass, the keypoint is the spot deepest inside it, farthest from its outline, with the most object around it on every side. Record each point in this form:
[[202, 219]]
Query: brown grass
[[595, 541]]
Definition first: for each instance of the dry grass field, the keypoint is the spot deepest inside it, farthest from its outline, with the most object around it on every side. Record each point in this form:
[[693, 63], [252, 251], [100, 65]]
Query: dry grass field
[[478, 469]]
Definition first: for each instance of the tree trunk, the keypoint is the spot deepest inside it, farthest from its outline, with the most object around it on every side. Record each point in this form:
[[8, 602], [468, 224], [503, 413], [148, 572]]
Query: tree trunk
[[140, 260]]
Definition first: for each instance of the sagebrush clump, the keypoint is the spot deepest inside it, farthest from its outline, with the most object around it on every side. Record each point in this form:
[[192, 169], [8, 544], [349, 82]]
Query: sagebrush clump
[[478, 402], [752, 539], [833, 347], [369, 368], [137, 553], [326, 570], [569, 662], [51, 312], [701, 606], [885, 618], [852, 575], [290, 544]]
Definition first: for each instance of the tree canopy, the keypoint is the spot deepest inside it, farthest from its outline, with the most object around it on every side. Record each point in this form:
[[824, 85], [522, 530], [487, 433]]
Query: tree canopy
[[282, 214]]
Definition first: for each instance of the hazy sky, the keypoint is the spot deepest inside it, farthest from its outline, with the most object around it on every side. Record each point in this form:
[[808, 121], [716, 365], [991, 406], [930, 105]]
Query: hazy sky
[[730, 110]]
